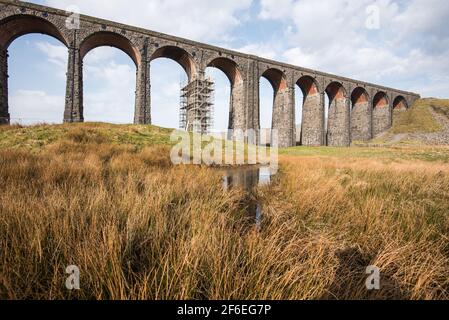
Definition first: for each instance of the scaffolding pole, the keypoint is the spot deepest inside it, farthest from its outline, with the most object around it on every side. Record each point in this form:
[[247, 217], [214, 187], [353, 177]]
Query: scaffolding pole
[[197, 105]]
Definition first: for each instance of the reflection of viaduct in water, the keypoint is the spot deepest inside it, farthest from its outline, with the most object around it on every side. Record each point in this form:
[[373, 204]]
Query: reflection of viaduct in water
[[357, 110]]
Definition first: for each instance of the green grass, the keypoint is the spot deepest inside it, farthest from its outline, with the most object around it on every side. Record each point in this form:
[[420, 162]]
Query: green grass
[[419, 118], [423, 153], [36, 137]]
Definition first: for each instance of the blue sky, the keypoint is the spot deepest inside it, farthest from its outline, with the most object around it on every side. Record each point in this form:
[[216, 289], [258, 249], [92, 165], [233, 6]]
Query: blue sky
[[403, 44]]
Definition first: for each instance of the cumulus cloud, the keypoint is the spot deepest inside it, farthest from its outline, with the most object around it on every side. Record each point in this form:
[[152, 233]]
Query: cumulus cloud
[[195, 19], [411, 43]]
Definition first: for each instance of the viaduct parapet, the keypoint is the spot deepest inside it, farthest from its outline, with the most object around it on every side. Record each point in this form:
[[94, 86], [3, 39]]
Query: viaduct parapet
[[357, 110]]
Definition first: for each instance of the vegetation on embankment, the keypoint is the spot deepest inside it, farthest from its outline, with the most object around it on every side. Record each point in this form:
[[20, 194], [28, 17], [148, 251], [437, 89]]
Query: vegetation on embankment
[[425, 123], [419, 118], [36, 137], [385, 153], [107, 199]]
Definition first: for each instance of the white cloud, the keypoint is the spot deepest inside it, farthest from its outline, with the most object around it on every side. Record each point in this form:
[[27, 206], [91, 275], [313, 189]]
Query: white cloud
[[36, 107], [411, 45], [203, 20], [56, 54], [275, 9], [260, 49], [109, 88]]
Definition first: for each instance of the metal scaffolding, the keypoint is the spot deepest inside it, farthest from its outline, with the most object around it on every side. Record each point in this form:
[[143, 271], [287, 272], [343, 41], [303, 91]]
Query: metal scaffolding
[[197, 106]]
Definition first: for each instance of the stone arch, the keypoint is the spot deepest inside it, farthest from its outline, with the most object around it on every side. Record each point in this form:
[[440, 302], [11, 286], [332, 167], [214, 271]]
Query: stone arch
[[360, 115], [382, 118], [400, 103], [380, 100], [233, 72], [11, 28], [276, 78], [338, 126], [110, 39], [308, 85], [229, 67], [359, 95], [312, 125], [179, 55], [335, 90], [282, 120], [16, 26]]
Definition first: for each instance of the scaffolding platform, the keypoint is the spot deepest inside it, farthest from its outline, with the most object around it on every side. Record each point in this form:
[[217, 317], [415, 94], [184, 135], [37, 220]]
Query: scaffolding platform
[[197, 106]]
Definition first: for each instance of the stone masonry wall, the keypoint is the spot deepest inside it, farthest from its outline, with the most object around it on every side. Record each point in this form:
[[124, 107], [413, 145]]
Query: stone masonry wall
[[313, 120], [381, 119], [282, 117], [4, 115], [361, 122], [338, 134]]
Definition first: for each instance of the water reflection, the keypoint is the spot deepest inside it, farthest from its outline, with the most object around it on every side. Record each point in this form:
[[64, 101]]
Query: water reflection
[[248, 178]]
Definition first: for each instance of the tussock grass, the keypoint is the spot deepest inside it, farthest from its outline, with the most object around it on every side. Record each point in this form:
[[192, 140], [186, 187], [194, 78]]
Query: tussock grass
[[139, 228], [359, 213]]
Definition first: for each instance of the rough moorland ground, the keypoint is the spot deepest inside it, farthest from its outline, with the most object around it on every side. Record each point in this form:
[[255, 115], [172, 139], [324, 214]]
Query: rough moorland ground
[[107, 199]]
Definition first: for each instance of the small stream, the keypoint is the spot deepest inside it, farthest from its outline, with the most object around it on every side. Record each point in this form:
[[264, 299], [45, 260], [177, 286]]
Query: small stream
[[248, 178]]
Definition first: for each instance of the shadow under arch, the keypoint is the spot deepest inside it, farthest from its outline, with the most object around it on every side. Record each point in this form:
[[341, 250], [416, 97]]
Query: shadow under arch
[[335, 90], [110, 39], [400, 103], [276, 78], [359, 95], [308, 85], [229, 68], [313, 112], [179, 55], [380, 100]]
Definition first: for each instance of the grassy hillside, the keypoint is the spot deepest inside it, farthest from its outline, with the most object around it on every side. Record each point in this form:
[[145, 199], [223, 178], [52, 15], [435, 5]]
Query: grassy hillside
[[36, 137], [425, 123], [419, 118]]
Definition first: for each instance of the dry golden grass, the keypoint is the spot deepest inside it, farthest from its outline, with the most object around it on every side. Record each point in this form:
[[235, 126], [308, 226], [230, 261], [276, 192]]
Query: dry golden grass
[[365, 212], [139, 228]]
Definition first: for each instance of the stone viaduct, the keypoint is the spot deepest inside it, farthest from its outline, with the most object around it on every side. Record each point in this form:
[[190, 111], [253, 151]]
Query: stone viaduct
[[357, 110]]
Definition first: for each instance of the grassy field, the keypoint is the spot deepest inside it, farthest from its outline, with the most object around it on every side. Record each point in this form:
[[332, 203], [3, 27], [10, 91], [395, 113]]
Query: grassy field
[[107, 199]]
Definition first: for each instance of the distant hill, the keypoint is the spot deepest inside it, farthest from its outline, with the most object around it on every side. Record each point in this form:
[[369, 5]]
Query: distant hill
[[427, 122]]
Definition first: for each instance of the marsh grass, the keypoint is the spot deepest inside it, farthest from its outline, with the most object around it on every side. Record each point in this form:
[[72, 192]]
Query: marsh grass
[[140, 228]]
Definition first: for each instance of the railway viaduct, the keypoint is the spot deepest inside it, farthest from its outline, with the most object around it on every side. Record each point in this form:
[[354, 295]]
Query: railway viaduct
[[357, 110]]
